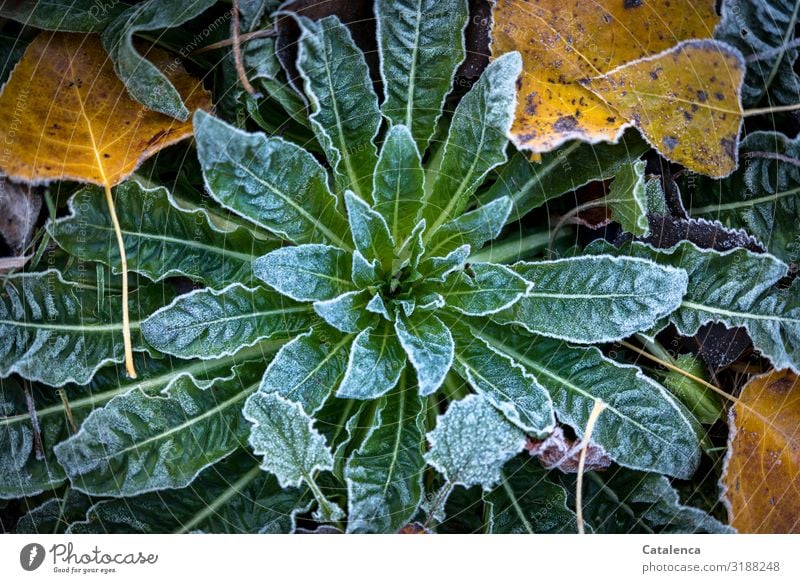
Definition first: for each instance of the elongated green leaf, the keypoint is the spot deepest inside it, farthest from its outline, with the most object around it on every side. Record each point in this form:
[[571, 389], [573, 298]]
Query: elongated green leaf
[[628, 501], [529, 185], [369, 230], [429, 346], [643, 426], [63, 15], [384, 476], [233, 496], [54, 515], [762, 197], [473, 228], [269, 181], [209, 323], [399, 182], [59, 332], [376, 362], [527, 501], [476, 142], [504, 383], [25, 473], [144, 81], [188, 429], [763, 32], [347, 312], [307, 369], [307, 272], [737, 288], [436, 269], [421, 45], [484, 289], [264, 71], [627, 199], [344, 107], [471, 443], [364, 273], [284, 435], [161, 239], [595, 299]]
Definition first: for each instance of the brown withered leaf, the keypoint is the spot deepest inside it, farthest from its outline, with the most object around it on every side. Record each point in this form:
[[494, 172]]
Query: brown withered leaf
[[761, 480], [559, 452], [64, 114]]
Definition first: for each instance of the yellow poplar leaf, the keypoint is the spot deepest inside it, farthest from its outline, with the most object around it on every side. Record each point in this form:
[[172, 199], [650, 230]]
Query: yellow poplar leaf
[[565, 41], [685, 101], [761, 480], [64, 114]]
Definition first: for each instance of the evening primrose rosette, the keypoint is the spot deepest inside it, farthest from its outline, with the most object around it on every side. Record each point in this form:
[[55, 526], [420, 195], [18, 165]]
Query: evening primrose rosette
[[381, 313]]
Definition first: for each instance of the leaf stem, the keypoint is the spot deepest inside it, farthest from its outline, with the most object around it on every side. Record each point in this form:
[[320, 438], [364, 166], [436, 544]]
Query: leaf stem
[[569, 216], [126, 321], [237, 50], [514, 250], [772, 109], [599, 407]]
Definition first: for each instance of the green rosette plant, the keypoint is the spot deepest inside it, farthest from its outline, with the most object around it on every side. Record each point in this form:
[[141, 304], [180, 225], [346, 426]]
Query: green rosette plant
[[365, 346]]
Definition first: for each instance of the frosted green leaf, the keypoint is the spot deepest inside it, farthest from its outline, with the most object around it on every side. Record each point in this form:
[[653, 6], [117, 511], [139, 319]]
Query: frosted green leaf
[[476, 142], [269, 181], [54, 515], [293, 450], [504, 383], [161, 238], [643, 426], [737, 288], [528, 501], [306, 273], [474, 228], [421, 46], [344, 107], [369, 230], [436, 269], [284, 435], [139, 443], [429, 346], [364, 273], [63, 15], [234, 496], [376, 362], [636, 502], [485, 288], [377, 306], [531, 184], [265, 72], [762, 197], [23, 472], [412, 249], [347, 312], [399, 182], [57, 332], [471, 443], [595, 299], [763, 31], [627, 199], [209, 323], [144, 81], [307, 369], [384, 475]]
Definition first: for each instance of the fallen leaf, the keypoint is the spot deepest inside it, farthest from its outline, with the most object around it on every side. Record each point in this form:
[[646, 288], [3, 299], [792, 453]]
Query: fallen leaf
[[685, 101], [559, 452], [19, 210], [762, 466], [64, 114], [580, 60]]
